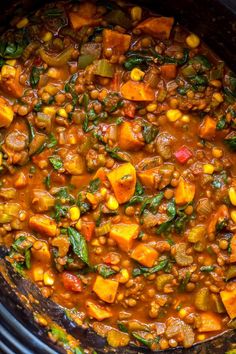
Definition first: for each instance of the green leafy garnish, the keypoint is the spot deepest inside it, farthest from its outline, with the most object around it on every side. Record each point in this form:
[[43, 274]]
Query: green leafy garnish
[[56, 162], [52, 141], [60, 211], [151, 203], [171, 212], [150, 132], [47, 181], [207, 269], [147, 342], [104, 270], [115, 153], [79, 244], [35, 76], [147, 271], [94, 185], [184, 281]]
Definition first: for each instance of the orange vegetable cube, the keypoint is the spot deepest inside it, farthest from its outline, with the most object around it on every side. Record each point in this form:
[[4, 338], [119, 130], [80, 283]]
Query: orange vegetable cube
[[85, 16], [137, 91], [221, 214], [10, 81], [210, 322], [158, 27], [127, 138], [123, 181], [105, 289], [207, 128], [43, 224], [118, 42], [96, 311], [6, 114], [145, 255], [169, 71], [228, 298], [185, 191], [232, 257], [124, 235]]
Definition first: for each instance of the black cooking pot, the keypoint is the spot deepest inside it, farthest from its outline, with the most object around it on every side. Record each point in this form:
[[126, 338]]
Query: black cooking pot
[[215, 22]]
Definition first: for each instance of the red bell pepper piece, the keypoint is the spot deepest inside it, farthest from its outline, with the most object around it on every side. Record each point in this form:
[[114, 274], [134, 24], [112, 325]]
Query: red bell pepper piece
[[87, 230], [71, 282], [183, 154]]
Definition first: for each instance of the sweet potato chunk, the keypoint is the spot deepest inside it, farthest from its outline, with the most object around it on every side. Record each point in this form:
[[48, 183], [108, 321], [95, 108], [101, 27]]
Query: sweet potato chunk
[[145, 255], [210, 322], [118, 42], [9, 82], [184, 192], [158, 27], [84, 16], [43, 224], [105, 289], [97, 311], [157, 177], [137, 91], [124, 235], [232, 257], [221, 214], [6, 114], [207, 128], [228, 298], [74, 164], [123, 181], [127, 138], [169, 71]]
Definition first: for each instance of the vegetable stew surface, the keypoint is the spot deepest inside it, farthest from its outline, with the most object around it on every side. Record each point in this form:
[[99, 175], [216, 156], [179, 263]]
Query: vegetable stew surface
[[118, 172]]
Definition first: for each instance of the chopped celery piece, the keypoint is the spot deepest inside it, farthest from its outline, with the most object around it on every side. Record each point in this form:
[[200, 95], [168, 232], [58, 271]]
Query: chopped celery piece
[[104, 68]]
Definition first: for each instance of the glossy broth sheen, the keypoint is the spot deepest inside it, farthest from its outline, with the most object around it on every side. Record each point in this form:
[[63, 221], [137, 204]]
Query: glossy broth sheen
[[118, 188]]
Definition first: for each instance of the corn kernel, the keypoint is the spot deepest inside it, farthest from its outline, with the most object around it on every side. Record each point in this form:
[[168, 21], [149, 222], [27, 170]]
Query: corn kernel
[[95, 242], [112, 203], [185, 118], [48, 278], [120, 296], [137, 74], [232, 195], [173, 114], [53, 73], [11, 62], [233, 216], [78, 225], [215, 83], [216, 152], [8, 70], [201, 337], [193, 40], [182, 313], [51, 111], [62, 113], [136, 13], [51, 89], [218, 97], [208, 168], [47, 36], [38, 273], [123, 276], [103, 191], [74, 213], [151, 107], [22, 23]]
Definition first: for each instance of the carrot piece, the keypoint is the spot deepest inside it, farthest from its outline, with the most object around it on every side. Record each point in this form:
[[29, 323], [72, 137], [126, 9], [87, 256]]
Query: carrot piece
[[161, 173], [145, 255], [137, 91], [123, 181], [84, 16], [6, 113], [101, 174], [105, 289], [124, 235], [158, 27], [10, 81], [221, 214], [185, 191], [118, 42], [87, 230], [169, 71], [207, 128], [228, 298], [96, 311], [210, 322], [232, 257], [43, 224], [127, 138]]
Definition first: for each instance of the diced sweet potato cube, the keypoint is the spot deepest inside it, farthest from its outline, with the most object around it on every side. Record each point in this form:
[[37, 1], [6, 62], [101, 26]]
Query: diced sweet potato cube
[[6, 114], [41, 254], [232, 257], [169, 71], [137, 91], [221, 214], [158, 27], [43, 224], [127, 138], [157, 177], [85, 16], [228, 298], [184, 192], [101, 174], [96, 311], [118, 42], [124, 235], [207, 128], [74, 164], [210, 322], [9, 82], [123, 181], [105, 289], [145, 255]]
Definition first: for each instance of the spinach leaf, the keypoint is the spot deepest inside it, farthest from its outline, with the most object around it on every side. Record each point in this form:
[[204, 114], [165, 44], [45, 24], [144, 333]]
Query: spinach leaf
[[56, 162], [79, 244], [147, 342], [202, 60], [54, 12], [17, 244], [63, 194], [114, 153], [147, 271], [11, 50], [171, 212], [104, 270], [60, 211], [28, 258], [222, 123], [137, 61], [94, 185], [118, 105], [35, 76], [149, 132], [151, 203], [52, 141], [134, 200], [207, 269], [122, 327], [47, 181], [230, 140], [139, 190], [184, 281], [79, 350], [59, 334]]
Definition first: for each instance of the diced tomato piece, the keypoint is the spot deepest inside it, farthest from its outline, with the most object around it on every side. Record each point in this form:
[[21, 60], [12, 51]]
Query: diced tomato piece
[[129, 110], [87, 230], [183, 154], [71, 282], [38, 61]]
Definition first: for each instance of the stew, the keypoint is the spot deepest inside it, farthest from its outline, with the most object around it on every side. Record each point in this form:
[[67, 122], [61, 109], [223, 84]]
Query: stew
[[118, 171]]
